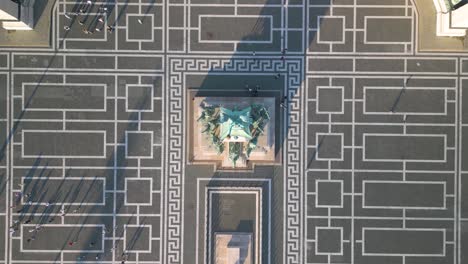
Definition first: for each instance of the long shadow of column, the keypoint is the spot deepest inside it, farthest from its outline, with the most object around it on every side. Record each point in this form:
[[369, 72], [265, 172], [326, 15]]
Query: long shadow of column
[[285, 70]]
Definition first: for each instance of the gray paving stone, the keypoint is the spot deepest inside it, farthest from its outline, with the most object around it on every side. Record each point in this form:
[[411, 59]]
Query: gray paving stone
[[397, 241], [400, 147], [243, 28], [388, 29], [165, 55], [63, 144]]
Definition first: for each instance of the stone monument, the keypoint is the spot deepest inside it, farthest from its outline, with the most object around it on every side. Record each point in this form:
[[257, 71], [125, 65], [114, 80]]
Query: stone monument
[[233, 131]]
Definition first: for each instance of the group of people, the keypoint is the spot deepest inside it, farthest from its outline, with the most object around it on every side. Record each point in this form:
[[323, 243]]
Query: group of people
[[253, 91], [82, 14]]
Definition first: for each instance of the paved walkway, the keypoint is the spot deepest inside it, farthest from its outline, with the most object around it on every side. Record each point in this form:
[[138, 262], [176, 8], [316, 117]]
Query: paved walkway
[[95, 166]]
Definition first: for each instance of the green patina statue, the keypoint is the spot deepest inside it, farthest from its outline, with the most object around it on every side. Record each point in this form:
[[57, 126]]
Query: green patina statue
[[239, 129]]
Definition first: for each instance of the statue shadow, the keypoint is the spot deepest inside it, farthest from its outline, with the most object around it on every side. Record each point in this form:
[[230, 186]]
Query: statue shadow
[[271, 70]]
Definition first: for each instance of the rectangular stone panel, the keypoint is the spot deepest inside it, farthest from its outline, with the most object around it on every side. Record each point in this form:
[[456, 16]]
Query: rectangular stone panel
[[3, 95], [464, 241], [409, 101], [3, 60], [234, 211], [79, 97], [432, 65], [37, 61], [329, 240], [232, 82], [137, 239], [464, 65], [67, 191], [329, 64], [143, 63], [416, 195], [56, 143], [464, 101], [380, 65], [464, 196], [422, 148], [388, 30], [404, 242], [85, 62], [80, 235], [241, 28], [331, 29]]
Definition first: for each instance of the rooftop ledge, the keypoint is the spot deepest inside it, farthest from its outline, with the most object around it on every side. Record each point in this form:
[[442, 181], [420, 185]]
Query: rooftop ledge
[[439, 28]]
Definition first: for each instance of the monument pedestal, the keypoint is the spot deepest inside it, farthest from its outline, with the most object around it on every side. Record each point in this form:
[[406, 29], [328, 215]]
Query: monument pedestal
[[201, 151]]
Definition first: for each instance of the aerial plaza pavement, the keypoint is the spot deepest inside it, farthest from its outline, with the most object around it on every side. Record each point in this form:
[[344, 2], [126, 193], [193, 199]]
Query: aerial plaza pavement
[[222, 132]]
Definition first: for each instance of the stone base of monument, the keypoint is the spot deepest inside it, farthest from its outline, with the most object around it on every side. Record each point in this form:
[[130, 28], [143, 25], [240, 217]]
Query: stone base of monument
[[202, 152], [17, 16]]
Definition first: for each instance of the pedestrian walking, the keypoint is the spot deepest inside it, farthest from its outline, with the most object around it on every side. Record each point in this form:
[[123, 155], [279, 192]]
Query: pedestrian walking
[[254, 92], [28, 221], [124, 257], [67, 28], [110, 29], [70, 243], [283, 103], [51, 220]]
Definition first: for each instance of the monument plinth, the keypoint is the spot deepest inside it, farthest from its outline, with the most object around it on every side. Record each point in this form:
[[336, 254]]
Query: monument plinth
[[232, 131], [233, 248]]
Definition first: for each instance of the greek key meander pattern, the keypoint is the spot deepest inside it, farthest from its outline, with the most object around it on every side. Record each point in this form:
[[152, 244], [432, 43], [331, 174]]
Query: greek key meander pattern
[[350, 65], [176, 110]]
